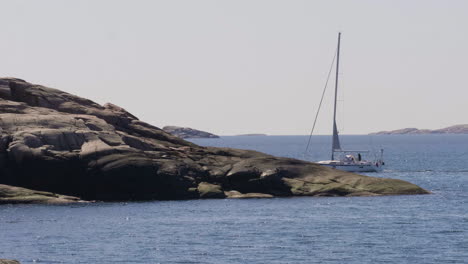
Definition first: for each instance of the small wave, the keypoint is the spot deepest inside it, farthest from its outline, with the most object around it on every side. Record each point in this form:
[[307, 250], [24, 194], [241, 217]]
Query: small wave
[[449, 231], [405, 223], [46, 261], [413, 171], [438, 171], [13, 221]]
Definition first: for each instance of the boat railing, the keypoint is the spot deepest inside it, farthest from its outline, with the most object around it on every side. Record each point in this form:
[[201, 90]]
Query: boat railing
[[350, 151]]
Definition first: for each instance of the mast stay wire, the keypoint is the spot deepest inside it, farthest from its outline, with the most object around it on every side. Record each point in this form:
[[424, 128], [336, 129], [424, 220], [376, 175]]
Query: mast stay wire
[[320, 104]]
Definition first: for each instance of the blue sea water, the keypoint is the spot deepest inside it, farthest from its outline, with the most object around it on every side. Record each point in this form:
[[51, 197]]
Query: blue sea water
[[390, 229]]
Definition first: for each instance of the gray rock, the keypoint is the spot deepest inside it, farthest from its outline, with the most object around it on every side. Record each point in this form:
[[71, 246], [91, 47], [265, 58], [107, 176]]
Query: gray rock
[[57, 142]]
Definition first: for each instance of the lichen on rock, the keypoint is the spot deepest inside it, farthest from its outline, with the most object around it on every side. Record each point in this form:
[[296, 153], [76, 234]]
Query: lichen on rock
[[8, 261], [208, 190], [13, 195]]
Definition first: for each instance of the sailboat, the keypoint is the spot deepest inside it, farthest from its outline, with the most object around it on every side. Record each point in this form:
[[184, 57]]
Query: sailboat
[[348, 160]]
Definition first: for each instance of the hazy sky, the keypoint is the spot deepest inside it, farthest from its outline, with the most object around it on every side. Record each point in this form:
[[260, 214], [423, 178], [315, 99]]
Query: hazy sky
[[234, 67]]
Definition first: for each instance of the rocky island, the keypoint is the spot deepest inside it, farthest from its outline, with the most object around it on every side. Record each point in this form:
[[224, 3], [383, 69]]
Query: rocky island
[[456, 129], [187, 132], [252, 135], [59, 143]]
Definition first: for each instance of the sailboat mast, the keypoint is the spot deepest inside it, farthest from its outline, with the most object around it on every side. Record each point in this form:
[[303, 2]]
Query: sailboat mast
[[335, 140]]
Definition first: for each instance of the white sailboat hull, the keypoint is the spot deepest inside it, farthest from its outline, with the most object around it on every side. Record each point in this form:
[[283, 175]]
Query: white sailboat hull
[[353, 167]]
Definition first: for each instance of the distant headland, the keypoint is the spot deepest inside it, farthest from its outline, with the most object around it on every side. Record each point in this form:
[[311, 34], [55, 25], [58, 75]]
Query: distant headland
[[252, 135], [187, 132], [456, 129]]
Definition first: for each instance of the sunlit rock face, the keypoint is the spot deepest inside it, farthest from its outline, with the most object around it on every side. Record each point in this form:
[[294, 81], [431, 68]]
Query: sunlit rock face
[[54, 141]]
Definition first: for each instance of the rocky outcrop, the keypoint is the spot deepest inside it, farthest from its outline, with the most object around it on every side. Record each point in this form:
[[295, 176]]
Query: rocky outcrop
[[456, 129], [57, 142], [238, 195], [186, 132], [12, 195]]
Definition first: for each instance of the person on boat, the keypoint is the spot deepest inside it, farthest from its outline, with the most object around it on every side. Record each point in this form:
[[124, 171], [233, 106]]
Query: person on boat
[[359, 158], [350, 158]]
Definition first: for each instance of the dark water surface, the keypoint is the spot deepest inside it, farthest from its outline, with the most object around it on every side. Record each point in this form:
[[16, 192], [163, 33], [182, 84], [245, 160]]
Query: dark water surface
[[393, 229]]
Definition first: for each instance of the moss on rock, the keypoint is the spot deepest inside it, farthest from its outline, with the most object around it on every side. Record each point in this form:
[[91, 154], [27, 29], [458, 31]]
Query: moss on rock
[[8, 261], [12, 195], [208, 190], [238, 195]]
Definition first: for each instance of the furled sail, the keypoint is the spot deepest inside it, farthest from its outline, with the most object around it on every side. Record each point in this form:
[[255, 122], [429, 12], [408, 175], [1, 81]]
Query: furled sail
[[336, 140]]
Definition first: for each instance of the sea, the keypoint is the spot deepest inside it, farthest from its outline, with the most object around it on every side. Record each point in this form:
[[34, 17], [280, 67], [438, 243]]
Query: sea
[[388, 229]]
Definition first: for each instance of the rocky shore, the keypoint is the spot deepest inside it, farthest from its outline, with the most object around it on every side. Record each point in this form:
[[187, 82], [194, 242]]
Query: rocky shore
[[56, 142]]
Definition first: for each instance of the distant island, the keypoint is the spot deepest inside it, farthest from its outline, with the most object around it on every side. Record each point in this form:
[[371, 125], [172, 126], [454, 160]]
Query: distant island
[[456, 129], [187, 132], [252, 135]]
